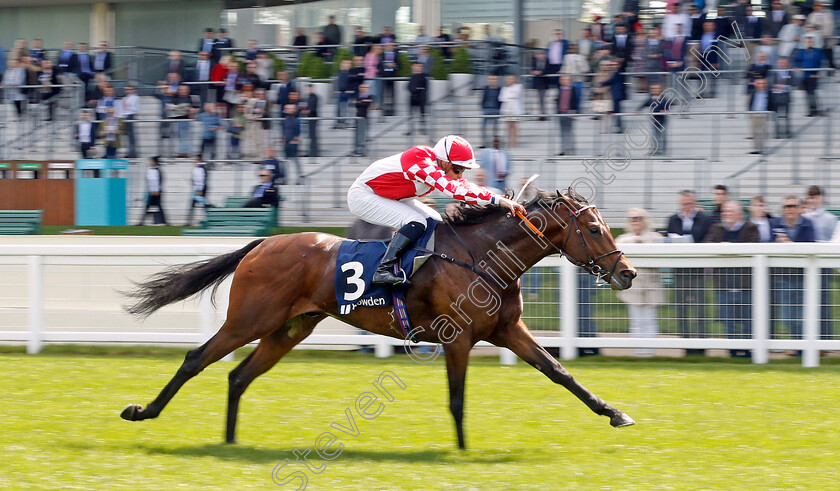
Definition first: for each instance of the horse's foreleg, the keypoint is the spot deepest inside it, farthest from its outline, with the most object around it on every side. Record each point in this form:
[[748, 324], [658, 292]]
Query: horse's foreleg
[[457, 356], [224, 342], [518, 339], [266, 355]]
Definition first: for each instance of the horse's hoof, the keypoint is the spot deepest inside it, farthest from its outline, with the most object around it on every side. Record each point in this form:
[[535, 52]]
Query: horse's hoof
[[620, 420], [131, 412]]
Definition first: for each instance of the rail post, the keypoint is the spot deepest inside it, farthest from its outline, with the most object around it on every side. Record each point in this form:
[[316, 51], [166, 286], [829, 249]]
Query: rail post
[[36, 304], [568, 310], [760, 308]]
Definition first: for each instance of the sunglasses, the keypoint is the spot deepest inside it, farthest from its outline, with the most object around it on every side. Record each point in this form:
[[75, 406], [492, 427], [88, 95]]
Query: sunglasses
[[791, 206], [457, 169]]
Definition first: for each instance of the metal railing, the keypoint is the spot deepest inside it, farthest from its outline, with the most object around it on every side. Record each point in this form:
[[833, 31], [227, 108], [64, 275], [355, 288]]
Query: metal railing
[[791, 304]]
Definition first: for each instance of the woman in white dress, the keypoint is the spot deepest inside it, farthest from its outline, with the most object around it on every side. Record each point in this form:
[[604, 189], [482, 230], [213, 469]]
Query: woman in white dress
[[646, 295], [511, 98]]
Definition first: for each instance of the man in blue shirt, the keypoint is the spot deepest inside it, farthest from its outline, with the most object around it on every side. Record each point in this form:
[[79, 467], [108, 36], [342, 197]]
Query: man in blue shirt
[[210, 125], [807, 60], [490, 106], [291, 137]]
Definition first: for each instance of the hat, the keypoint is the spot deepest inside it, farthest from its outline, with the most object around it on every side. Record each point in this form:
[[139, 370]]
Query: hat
[[457, 150], [798, 17]]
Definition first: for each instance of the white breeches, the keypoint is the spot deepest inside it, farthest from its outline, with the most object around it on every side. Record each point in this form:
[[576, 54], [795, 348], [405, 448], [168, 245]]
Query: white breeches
[[388, 212]]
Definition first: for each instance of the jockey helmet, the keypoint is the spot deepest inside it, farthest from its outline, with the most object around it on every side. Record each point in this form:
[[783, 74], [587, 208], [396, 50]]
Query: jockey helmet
[[457, 150]]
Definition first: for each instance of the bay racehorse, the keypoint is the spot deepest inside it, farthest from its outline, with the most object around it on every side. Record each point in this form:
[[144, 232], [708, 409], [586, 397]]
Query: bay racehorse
[[284, 285]]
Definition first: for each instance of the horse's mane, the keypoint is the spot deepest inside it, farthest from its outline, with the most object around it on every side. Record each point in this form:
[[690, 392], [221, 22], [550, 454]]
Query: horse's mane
[[464, 214]]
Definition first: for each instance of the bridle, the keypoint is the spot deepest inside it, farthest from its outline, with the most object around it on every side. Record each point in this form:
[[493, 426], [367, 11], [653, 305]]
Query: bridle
[[590, 266]]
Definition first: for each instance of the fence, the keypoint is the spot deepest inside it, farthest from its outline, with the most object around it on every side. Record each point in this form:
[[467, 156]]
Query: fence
[[757, 297]]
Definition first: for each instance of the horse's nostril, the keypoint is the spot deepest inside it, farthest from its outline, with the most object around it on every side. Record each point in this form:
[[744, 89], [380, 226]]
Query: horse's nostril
[[628, 274]]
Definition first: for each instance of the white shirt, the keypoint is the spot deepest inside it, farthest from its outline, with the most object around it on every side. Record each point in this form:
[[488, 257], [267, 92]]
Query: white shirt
[[763, 226], [129, 105], [84, 131], [555, 52], [199, 174], [203, 69], [153, 179]]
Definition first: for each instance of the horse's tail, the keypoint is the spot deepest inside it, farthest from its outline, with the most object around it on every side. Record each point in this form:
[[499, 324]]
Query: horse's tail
[[183, 281]]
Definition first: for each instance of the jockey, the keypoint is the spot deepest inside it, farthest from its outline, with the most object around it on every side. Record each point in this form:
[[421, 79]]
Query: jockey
[[386, 192]]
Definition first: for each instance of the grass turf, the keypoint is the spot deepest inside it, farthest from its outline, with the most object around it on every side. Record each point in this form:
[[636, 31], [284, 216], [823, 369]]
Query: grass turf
[[700, 426]]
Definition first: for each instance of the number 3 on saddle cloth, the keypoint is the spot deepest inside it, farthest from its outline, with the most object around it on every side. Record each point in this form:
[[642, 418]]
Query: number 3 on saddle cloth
[[355, 264]]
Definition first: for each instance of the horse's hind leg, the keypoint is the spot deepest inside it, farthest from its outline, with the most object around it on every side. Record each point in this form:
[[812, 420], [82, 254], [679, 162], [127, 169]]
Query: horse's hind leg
[[266, 355], [519, 340], [225, 341]]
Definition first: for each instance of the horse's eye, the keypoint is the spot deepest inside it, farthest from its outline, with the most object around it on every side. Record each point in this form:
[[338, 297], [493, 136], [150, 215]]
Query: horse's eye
[[595, 230]]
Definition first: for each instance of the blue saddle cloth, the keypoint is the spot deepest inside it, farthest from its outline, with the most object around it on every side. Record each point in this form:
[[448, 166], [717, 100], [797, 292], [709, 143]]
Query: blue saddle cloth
[[354, 267]]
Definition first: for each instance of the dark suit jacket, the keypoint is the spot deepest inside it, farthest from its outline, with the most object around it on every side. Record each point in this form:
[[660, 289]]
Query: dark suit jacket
[[626, 52], [669, 50], [105, 66], [723, 26], [312, 106], [66, 64], [699, 229], [540, 82], [417, 87], [772, 27], [490, 98], [616, 83], [752, 30], [697, 26], [283, 93], [175, 67]]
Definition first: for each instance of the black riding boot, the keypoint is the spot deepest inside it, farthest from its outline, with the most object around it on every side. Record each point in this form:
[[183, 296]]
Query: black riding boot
[[384, 274]]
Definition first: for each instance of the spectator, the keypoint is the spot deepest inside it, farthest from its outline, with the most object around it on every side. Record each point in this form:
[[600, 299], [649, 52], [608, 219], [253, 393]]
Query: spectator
[[659, 118], [301, 41], [129, 109], [344, 92], [698, 18], [309, 109], [235, 128], [557, 49], [676, 23], [781, 82], [723, 24], [734, 285], [588, 44], [387, 36], [271, 164], [252, 51], [759, 69], [363, 103], [417, 87], [154, 183], [752, 24], [761, 219], [109, 133], [567, 103], [776, 19], [282, 88], [106, 100], [768, 47], [361, 43], [232, 85], [788, 283], [823, 21], [540, 69], [224, 44], [638, 59], [50, 91], [102, 59], [425, 60], [601, 97], [84, 64], [199, 189], [443, 37], [654, 53], [175, 64], [332, 32], [323, 50], [675, 51], [85, 133], [646, 295], [690, 283], [371, 65], [211, 123], [36, 53], [622, 46], [720, 195], [207, 44], [253, 132], [389, 68], [203, 73], [824, 225], [497, 163], [67, 59], [511, 98], [265, 193], [183, 107], [251, 76], [616, 84], [265, 67], [759, 101], [218, 75], [576, 66], [790, 36], [809, 60], [290, 138], [357, 75]]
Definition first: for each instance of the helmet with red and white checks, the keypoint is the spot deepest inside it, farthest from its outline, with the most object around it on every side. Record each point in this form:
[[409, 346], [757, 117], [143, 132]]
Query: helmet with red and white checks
[[457, 150]]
